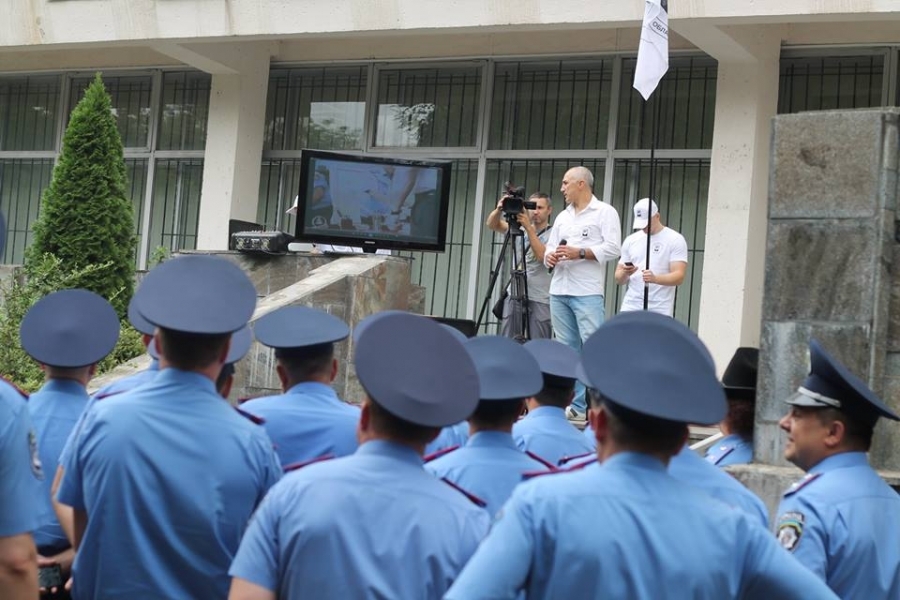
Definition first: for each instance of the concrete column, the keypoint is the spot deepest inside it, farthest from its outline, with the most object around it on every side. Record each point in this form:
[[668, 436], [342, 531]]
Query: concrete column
[[733, 258], [237, 111]]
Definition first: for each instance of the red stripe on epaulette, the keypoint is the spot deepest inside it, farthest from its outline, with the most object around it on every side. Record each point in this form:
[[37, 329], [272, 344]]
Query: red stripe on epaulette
[[108, 395], [15, 387], [475, 499], [799, 485], [439, 453], [568, 459], [250, 417], [532, 474], [304, 463], [544, 462], [581, 465]]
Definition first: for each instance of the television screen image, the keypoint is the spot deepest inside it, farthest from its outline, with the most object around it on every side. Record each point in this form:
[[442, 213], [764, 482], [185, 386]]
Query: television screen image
[[373, 202]]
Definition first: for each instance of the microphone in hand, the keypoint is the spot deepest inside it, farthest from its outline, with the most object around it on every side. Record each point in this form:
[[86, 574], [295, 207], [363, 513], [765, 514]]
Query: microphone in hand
[[561, 243]]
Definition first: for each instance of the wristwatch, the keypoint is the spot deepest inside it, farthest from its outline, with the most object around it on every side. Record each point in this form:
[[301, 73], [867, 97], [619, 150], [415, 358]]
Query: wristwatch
[[581, 253]]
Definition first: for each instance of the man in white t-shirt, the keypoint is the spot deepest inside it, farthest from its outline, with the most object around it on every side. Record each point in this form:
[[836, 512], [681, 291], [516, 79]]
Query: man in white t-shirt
[[668, 262]]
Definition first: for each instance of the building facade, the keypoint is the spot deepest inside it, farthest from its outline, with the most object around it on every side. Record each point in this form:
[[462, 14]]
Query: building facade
[[216, 100]]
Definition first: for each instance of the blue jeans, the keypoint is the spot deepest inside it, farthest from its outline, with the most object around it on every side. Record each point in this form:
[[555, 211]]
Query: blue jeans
[[574, 319]]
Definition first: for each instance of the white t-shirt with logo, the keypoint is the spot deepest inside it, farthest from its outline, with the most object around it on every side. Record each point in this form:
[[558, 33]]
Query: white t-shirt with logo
[[666, 247]]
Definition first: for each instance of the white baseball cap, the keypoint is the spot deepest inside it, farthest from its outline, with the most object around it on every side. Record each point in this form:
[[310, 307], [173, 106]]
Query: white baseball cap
[[640, 212]]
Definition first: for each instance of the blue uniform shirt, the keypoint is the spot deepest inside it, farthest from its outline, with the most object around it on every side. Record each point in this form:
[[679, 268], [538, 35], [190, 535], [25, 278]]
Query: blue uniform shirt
[[488, 466], [843, 522], [547, 432], [689, 467], [129, 383], [627, 529], [307, 422], [450, 436], [371, 525], [54, 410], [169, 475], [20, 465], [731, 450]]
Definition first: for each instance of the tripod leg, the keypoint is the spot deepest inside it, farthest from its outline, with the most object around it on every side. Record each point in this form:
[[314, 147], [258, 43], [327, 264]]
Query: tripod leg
[[493, 281]]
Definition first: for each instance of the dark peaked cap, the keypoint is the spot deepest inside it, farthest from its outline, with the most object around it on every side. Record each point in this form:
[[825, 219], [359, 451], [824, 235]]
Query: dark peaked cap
[[739, 379], [554, 358], [298, 327], [831, 384], [70, 328], [416, 370], [139, 322], [505, 369], [653, 365], [196, 294]]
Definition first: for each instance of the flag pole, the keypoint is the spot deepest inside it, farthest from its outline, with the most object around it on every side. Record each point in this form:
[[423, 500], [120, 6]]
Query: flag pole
[[652, 64]]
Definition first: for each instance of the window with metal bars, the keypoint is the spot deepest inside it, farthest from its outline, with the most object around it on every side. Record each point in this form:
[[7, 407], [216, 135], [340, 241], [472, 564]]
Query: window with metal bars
[[428, 107], [830, 82], [555, 105], [175, 207], [29, 112], [131, 105]]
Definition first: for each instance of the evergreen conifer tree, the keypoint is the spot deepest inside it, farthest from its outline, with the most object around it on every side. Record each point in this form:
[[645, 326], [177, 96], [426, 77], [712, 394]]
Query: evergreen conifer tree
[[86, 218]]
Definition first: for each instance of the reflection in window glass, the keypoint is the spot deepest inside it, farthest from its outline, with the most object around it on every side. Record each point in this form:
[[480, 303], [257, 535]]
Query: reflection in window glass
[[828, 83], [681, 188], [176, 204], [687, 103], [548, 106], [22, 183], [420, 108], [323, 109], [29, 112], [184, 111], [536, 176], [131, 105], [279, 182], [136, 185]]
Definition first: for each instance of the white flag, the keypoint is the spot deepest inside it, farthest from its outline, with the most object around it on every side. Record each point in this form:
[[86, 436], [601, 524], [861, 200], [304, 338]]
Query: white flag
[[653, 53]]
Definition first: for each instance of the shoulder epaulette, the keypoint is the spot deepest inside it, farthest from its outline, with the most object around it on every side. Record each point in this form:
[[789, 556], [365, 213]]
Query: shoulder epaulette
[[242, 400], [724, 454], [475, 499], [108, 395], [799, 485], [23, 393], [567, 459], [544, 462], [250, 417], [435, 455], [304, 463], [582, 465], [532, 474]]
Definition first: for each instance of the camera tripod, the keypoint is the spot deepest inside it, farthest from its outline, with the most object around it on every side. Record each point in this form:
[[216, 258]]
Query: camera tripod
[[519, 316]]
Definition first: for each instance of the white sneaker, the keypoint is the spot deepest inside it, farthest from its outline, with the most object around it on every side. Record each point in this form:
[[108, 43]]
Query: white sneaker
[[573, 414]]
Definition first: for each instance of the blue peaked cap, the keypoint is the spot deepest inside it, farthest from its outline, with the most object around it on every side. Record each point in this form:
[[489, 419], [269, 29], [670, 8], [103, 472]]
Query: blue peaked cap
[[196, 294], [70, 328], [655, 366], [416, 370], [505, 369], [554, 358], [299, 326], [831, 384]]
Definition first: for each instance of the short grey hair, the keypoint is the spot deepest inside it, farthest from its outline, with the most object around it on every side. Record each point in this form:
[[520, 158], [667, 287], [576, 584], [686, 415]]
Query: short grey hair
[[583, 174]]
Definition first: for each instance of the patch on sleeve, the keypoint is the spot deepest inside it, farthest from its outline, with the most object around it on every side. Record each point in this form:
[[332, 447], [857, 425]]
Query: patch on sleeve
[[790, 529], [36, 466]]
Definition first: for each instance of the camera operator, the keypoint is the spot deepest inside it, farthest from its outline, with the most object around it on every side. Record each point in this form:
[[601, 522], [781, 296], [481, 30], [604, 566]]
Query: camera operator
[[536, 225]]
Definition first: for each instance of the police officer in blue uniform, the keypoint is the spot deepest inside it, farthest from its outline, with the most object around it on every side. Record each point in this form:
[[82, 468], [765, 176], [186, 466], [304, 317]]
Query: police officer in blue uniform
[[308, 420], [240, 345], [490, 465], [545, 430], [625, 528], [841, 520], [20, 477], [164, 478], [374, 524], [68, 333], [739, 381]]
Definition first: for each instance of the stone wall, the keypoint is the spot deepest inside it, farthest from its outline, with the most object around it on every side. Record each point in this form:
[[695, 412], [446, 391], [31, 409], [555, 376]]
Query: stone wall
[[831, 273]]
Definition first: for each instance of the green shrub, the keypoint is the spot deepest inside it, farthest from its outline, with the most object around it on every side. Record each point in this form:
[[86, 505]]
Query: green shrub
[[86, 217], [45, 275]]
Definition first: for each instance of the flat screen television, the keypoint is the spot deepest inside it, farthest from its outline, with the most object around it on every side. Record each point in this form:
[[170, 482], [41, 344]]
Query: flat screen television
[[373, 202]]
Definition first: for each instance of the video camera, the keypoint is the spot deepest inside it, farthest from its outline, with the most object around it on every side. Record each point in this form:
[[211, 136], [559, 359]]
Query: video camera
[[514, 202]]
